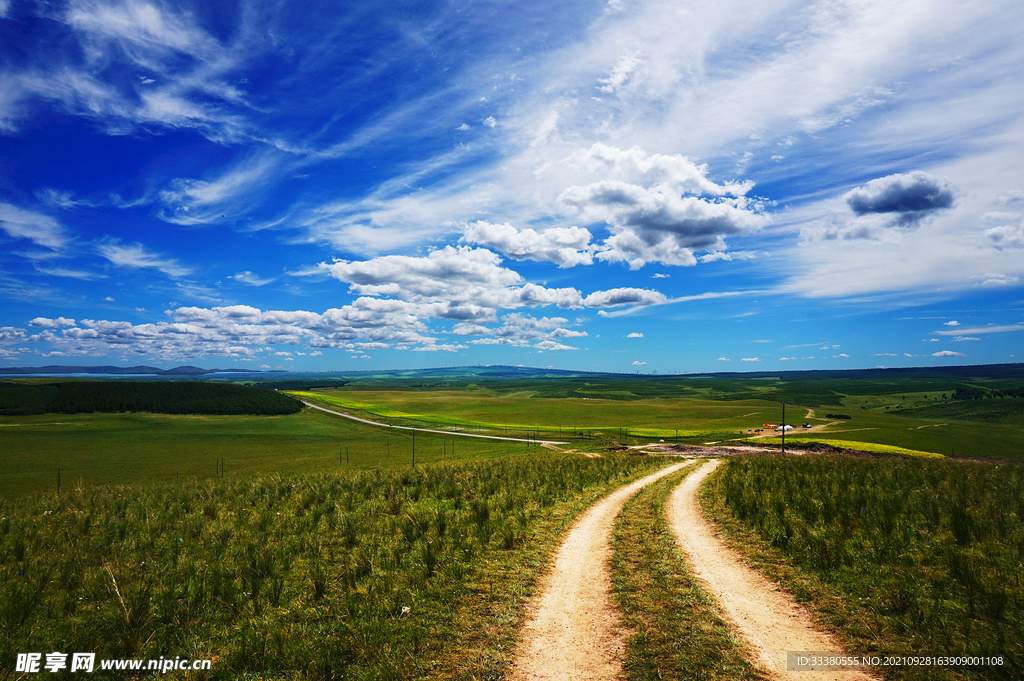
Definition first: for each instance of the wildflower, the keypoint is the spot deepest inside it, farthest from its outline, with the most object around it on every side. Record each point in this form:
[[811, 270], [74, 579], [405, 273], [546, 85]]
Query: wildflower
[[405, 610]]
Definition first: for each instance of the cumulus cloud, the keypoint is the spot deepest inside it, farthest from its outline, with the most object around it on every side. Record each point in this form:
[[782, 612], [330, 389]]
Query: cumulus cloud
[[40, 229], [952, 322], [565, 246], [965, 338], [724, 359], [638, 363], [519, 330], [51, 323], [885, 354], [750, 359], [240, 331], [911, 196], [460, 283], [618, 297], [136, 256], [1006, 236], [948, 353], [635, 335], [553, 345], [900, 200], [658, 208]]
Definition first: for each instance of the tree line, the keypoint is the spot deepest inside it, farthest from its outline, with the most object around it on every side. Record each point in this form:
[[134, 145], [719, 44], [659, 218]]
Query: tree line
[[158, 397]]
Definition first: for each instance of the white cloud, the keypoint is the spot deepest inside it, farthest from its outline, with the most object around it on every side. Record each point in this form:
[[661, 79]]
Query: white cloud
[[635, 335], [948, 353], [965, 338], [565, 246], [51, 323], [518, 330], [952, 322], [552, 345], [750, 359], [243, 331], [885, 354], [638, 363], [248, 277], [40, 229], [983, 329], [1006, 236], [136, 256], [724, 359], [194, 202], [460, 283], [617, 297], [110, 299], [620, 73], [659, 275], [994, 279], [490, 122], [639, 198]]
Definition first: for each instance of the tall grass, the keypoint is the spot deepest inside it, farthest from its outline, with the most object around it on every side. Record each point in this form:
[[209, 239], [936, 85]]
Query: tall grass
[[358, 576], [918, 557]]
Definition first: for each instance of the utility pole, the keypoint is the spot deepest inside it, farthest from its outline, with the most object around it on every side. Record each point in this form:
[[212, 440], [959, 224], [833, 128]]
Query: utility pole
[[783, 427], [414, 449]]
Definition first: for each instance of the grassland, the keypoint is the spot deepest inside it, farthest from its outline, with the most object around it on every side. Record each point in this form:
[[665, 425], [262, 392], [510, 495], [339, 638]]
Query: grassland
[[95, 449], [372, 575], [901, 556], [681, 419]]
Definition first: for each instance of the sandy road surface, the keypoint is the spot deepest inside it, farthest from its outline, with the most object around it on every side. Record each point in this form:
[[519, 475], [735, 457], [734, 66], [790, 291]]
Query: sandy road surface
[[768, 619], [571, 631]]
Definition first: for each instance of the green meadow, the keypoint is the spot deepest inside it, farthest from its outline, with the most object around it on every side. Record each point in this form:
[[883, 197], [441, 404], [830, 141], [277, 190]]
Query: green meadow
[[693, 419], [899, 556], [398, 574], [143, 448]]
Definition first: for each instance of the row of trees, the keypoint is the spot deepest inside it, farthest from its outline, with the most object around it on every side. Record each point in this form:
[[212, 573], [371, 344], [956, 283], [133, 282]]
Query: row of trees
[[967, 392], [159, 397]]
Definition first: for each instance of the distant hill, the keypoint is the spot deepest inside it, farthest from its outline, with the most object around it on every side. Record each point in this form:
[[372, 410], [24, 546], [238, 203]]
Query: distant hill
[[120, 371]]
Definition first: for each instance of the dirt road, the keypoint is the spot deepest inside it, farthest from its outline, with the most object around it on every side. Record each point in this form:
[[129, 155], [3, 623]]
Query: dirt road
[[572, 629], [768, 619]]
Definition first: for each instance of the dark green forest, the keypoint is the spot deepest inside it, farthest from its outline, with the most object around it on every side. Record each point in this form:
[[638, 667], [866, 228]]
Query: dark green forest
[[158, 397]]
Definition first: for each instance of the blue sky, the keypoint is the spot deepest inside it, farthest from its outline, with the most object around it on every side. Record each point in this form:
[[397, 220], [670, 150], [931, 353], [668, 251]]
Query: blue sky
[[615, 186]]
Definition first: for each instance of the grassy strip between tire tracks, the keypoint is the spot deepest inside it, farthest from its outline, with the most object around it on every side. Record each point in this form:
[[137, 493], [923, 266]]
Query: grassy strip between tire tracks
[[677, 632], [908, 557]]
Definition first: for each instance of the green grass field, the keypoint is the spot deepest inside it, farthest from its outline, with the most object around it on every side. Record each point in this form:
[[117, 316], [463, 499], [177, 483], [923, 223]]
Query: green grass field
[[94, 449], [900, 556], [691, 420]]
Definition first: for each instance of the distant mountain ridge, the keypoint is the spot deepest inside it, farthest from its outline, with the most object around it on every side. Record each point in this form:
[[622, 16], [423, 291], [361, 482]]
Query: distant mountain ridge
[[125, 371]]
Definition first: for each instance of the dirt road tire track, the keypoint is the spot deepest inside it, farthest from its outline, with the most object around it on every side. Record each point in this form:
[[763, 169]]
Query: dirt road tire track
[[572, 629], [767, 618]]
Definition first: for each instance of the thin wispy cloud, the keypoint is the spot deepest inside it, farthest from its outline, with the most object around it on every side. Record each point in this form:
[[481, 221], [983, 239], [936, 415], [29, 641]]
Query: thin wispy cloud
[[136, 256]]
